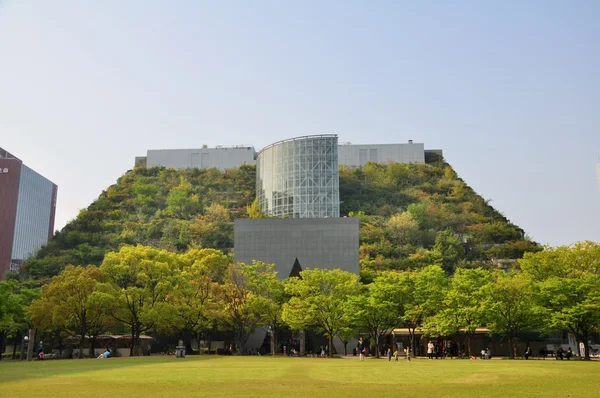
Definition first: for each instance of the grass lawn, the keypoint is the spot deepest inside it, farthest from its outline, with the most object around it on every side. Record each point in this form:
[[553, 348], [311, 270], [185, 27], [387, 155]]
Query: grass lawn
[[298, 377]]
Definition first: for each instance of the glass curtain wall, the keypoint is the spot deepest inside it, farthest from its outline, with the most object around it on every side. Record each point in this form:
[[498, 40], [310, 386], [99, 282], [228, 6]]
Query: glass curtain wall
[[299, 178]]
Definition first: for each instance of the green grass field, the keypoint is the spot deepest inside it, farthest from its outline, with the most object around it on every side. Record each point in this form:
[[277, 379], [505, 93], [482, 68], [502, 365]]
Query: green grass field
[[298, 377]]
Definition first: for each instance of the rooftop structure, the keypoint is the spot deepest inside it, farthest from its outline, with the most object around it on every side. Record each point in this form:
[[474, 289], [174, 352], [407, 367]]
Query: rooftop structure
[[221, 157], [224, 157], [359, 155]]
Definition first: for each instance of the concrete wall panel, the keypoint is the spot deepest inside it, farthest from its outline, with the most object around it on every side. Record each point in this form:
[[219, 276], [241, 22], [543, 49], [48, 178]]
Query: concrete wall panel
[[358, 155], [316, 243], [203, 158]]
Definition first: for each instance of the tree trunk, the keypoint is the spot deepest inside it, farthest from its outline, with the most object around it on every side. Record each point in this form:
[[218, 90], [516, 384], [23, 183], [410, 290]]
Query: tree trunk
[[378, 355], [345, 348], [330, 347], [16, 341], [586, 348], [515, 354], [411, 335], [81, 346], [22, 354], [131, 346], [240, 345], [469, 344], [242, 337], [188, 347], [2, 340], [31, 344], [59, 344], [93, 346], [137, 344], [273, 341]]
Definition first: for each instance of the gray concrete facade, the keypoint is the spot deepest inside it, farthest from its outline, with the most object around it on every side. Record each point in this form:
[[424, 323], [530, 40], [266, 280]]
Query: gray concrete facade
[[221, 158], [359, 155], [316, 242]]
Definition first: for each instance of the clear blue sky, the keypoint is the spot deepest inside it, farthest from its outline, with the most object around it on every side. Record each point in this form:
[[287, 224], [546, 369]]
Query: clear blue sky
[[510, 90]]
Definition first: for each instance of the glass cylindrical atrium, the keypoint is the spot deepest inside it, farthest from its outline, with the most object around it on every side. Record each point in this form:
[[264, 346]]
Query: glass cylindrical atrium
[[299, 178]]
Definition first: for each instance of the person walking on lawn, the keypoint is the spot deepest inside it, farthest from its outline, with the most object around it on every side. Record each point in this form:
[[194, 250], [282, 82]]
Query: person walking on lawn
[[361, 349]]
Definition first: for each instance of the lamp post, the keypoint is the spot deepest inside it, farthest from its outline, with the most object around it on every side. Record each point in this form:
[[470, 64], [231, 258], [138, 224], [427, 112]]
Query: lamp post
[[26, 340]]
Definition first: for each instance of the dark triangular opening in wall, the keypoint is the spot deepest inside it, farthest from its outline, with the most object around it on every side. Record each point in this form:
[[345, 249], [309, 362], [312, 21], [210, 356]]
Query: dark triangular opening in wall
[[296, 269]]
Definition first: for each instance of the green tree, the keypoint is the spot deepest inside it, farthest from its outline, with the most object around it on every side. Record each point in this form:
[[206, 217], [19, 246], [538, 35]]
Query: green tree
[[181, 200], [422, 293], [99, 315], [417, 212], [450, 248], [192, 306], [509, 307], [241, 305], [140, 277], [347, 333], [402, 228], [14, 318], [566, 281], [11, 307], [319, 299], [65, 302], [461, 311], [379, 308], [213, 229], [253, 210], [269, 296]]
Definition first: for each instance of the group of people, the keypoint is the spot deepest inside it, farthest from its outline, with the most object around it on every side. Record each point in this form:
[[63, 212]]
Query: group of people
[[362, 349], [560, 353], [442, 351], [396, 354], [486, 353]]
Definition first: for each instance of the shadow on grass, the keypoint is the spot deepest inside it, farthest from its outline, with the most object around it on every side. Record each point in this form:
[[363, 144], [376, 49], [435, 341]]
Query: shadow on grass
[[21, 370]]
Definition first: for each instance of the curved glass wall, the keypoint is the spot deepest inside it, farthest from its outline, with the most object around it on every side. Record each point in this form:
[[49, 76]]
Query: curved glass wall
[[299, 178]]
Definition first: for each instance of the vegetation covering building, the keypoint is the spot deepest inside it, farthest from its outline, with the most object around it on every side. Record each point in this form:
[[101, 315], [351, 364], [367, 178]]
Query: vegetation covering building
[[159, 247], [411, 215]]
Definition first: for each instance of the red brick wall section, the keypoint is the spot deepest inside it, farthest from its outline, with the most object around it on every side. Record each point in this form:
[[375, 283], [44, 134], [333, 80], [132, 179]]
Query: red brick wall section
[[52, 212], [10, 174]]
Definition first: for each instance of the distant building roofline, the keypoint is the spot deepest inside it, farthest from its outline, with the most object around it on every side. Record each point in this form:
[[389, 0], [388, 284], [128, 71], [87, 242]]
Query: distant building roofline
[[223, 147], [4, 154], [301, 137]]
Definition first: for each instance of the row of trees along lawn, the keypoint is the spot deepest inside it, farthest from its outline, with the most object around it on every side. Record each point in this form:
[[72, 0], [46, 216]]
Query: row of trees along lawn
[[411, 215], [139, 289]]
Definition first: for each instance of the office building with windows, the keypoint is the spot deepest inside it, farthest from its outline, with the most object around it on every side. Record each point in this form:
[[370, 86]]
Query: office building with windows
[[26, 214]]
